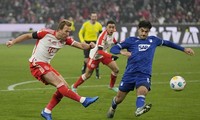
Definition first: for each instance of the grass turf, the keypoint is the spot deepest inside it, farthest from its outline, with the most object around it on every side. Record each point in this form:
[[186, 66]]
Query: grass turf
[[26, 101]]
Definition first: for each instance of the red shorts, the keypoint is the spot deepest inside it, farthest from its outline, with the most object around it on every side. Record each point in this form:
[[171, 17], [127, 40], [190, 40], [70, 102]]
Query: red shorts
[[92, 64], [39, 69]]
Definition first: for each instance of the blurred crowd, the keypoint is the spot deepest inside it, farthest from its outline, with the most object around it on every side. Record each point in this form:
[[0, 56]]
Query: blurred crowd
[[122, 11]]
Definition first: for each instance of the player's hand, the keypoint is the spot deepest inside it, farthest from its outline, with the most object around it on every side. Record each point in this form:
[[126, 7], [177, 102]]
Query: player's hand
[[189, 51], [114, 57], [9, 43], [92, 45]]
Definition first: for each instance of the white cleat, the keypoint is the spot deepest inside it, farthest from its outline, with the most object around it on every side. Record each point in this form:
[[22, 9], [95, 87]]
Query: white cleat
[[143, 109], [116, 89]]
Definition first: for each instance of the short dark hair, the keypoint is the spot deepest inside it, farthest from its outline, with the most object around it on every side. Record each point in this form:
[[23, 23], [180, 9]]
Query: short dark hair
[[110, 22], [145, 24]]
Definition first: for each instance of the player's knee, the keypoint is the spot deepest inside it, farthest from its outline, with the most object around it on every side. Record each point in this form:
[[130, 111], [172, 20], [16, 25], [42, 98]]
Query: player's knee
[[87, 75], [142, 90], [116, 71]]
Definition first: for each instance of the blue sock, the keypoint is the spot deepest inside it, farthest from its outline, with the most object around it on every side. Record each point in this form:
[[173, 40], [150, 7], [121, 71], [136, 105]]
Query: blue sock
[[114, 104], [140, 101]]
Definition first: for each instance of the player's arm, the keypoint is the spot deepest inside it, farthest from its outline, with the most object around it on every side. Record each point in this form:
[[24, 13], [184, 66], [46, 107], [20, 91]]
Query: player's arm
[[188, 51], [19, 39], [83, 45], [81, 33], [101, 52], [118, 49], [105, 54]]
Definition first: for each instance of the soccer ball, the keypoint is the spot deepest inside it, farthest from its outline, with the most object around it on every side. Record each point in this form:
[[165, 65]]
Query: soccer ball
[[177, 83]]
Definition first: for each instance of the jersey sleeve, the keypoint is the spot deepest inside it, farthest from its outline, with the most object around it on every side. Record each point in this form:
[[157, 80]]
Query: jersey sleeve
[[81, 33], [159, 41], [172, 45], [41, 33], [119, 46], [125, 44], [69, 41], [168, 43]]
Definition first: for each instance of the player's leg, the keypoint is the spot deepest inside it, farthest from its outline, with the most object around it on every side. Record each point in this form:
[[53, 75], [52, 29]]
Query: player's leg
[[56, 98], [45, 73], [115, 101], [62, 90], [86, 56], [141, 91], [82, 79], [84, 65], [97, 72], [113, 76], [59, 83], [90, 68]]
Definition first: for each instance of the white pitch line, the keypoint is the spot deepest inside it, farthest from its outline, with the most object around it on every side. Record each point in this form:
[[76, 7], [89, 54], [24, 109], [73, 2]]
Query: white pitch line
[[11, 88]]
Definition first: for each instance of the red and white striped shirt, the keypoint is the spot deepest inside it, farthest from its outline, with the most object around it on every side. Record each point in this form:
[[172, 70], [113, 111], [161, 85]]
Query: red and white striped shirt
[[47, 46], [105, 41]]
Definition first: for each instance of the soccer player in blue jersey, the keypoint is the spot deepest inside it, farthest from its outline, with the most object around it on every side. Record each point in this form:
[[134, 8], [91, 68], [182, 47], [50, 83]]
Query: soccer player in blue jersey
[[140, 53]]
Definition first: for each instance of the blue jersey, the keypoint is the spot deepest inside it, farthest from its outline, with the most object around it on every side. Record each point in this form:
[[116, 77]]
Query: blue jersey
[[142, 53]]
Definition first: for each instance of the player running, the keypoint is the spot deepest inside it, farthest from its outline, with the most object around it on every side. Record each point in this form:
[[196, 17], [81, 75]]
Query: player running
[[99, 54], [140, 53], [47, 45]]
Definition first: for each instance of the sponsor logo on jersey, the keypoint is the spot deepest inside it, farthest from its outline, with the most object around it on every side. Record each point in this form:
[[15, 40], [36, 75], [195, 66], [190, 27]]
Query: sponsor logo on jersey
[[143, 47], [121, 84]]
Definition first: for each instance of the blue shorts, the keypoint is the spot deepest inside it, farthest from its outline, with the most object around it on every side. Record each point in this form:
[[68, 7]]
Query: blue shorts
[[129, 83]]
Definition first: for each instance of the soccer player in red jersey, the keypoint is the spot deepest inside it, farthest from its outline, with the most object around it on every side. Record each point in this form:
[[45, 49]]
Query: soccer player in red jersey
[[47, 45], [99, 54]]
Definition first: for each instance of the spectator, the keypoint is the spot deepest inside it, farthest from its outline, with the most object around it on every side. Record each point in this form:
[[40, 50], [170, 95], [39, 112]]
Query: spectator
[[37, 11]]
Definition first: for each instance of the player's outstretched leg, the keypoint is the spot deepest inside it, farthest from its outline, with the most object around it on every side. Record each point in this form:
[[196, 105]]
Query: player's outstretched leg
[[46, 116], [143, 109], [89, 101]]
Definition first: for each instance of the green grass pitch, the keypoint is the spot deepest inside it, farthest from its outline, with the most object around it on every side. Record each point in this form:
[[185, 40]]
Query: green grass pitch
[[27, 100]]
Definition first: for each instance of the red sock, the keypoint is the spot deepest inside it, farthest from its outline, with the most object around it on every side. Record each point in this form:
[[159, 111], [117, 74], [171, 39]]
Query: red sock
[[57, 96], [79, 81], [112, 80], [69, 93]]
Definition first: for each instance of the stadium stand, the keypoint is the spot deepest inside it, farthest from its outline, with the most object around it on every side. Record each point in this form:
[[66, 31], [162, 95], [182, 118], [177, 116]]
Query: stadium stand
[[122, 11]]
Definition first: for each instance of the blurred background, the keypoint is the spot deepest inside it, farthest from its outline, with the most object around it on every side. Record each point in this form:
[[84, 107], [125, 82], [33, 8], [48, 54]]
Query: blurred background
[[33, 15], [122, 11]]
